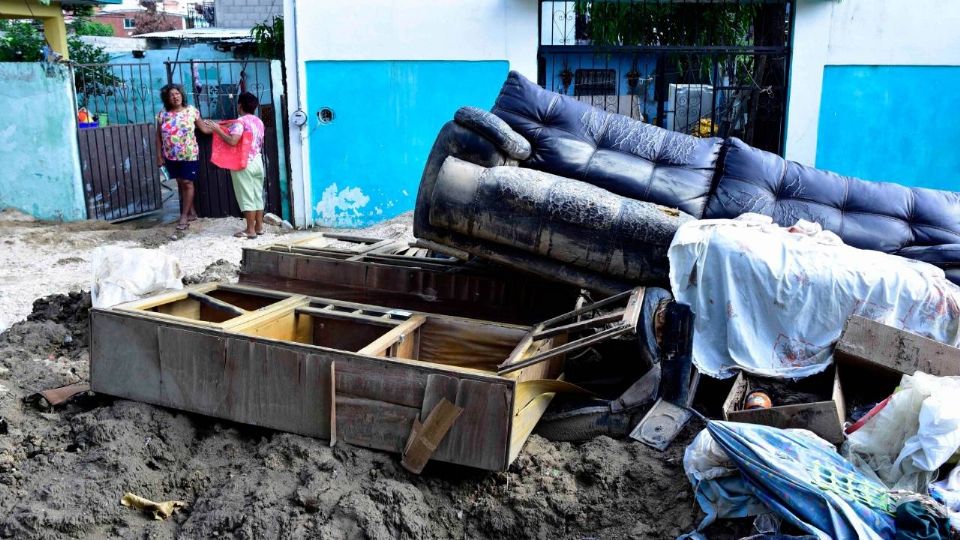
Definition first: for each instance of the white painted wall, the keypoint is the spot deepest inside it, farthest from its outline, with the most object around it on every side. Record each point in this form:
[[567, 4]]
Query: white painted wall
[[861, 32], [398, 30]]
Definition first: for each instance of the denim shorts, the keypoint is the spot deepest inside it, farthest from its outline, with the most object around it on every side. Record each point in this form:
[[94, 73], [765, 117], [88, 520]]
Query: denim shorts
[[183, 170]]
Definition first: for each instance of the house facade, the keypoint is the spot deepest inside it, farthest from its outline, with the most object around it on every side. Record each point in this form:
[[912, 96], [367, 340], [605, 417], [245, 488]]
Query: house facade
[[374, 81], [874, 84]]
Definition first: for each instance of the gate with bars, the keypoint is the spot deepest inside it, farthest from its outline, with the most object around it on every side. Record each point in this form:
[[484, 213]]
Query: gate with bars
[[118, 151], [703, 67]]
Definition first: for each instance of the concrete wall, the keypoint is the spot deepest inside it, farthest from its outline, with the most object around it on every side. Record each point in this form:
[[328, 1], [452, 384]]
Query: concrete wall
[[406, 35], [38, 150], [247, 13], [847, 40]]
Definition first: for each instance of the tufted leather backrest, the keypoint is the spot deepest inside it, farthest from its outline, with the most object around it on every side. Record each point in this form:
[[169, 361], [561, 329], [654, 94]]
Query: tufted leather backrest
[[624, 156], [868, 215]]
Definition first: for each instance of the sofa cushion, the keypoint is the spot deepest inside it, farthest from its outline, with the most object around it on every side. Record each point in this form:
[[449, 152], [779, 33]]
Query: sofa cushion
[[552, 216], [869, 215], [610, 151]]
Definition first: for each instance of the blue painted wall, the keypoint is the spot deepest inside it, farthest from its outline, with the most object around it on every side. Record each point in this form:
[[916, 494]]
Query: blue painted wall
[[365, 165], [892, 123], [38, 142]]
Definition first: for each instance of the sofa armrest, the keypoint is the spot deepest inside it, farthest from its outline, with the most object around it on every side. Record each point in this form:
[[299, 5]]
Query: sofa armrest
[[944, 255], [494, 128]]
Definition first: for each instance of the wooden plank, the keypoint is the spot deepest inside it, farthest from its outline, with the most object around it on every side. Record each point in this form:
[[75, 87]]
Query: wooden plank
[[579, 325], [372, 423], [394, 336], [425, 437], [124, 356], [892, 349], [276, 388], [378, 380], [213, 302], [568, 347], [193, 371], [481, 435], [524, 423], [350, 316], [333, 404]]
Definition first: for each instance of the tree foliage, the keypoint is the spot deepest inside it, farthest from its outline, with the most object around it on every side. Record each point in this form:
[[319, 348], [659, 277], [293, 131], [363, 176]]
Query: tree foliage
[[23, 42], [83, 26], [268, 38], [611, 22]]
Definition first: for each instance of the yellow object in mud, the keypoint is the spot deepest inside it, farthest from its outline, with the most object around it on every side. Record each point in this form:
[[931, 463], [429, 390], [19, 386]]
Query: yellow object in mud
[[159, 510]]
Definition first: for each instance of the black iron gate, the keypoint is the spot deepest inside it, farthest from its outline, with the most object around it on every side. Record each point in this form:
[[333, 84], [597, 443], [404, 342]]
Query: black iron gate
[[213, 87], [704, 67], [117, 139]]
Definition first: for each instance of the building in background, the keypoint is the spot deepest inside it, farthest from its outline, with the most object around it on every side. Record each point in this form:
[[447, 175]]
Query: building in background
[[247, 13]]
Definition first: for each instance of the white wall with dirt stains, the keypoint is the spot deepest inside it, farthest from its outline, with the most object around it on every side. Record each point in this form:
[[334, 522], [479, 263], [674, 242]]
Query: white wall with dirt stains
[[39, 153]]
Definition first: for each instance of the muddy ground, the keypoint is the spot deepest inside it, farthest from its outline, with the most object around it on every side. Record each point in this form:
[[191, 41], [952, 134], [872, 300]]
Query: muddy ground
[[63, 472]]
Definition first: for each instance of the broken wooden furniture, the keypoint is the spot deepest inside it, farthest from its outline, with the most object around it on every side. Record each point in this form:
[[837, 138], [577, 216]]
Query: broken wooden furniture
[[616, 159], [428, 386], [397, 274]]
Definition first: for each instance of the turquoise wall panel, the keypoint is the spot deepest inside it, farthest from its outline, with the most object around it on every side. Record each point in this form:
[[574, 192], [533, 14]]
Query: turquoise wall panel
[[365, 164], [38, 142], [892, 123]]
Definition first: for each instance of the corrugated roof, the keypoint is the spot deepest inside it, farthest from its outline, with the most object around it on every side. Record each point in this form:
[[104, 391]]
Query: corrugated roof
[[201, 33]]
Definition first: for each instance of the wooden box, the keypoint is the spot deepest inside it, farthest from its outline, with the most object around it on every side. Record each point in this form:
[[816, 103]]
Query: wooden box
[[869, 344], [343, 371], [824, 417], [397, 274]]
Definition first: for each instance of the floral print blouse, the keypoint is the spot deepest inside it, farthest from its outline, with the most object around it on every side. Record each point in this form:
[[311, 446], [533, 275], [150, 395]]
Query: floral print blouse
[[177, 134]]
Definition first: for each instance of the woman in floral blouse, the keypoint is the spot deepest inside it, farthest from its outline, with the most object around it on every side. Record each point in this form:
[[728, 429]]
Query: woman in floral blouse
[[177, 142]]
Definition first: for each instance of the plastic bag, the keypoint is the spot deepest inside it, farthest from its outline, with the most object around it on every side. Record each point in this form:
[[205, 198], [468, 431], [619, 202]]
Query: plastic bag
[[912, 436], [127, 274], [232, 158]]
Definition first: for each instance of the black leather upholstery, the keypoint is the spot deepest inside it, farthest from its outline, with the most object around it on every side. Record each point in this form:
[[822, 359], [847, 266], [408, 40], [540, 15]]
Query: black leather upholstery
[[868, 215], [614, 152]]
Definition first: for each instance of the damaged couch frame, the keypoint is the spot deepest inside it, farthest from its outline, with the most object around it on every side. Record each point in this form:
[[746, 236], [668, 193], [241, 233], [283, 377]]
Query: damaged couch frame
[[425, 385]]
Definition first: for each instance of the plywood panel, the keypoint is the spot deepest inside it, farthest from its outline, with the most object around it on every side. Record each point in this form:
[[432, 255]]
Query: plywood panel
[[124, 357]]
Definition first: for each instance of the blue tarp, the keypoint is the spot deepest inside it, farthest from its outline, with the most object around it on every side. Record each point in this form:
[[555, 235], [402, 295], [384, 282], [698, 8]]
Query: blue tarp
[[816, 490]]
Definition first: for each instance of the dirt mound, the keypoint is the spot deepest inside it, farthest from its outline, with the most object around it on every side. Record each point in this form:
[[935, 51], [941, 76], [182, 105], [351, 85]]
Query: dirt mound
[[220, 270]]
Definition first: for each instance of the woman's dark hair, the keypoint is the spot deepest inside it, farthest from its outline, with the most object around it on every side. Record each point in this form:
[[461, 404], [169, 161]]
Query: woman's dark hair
[[248, 102], [165, 95]]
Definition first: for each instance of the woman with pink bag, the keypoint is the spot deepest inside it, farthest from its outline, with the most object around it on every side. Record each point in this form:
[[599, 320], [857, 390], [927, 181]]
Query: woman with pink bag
[[247, 182]]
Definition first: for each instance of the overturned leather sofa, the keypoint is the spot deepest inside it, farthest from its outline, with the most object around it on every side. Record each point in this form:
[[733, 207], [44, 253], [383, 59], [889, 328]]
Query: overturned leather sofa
[[553, 186]]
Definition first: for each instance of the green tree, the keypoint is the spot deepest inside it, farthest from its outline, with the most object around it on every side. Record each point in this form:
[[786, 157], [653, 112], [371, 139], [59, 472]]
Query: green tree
[[268, 38], [83, 26], [21, 42]]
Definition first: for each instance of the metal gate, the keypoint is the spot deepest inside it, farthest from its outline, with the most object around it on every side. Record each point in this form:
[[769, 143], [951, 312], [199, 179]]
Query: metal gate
[[213, 87], [118, 152], [704, 67]]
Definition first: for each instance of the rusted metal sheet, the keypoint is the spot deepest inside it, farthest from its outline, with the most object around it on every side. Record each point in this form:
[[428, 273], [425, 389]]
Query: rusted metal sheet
[[389, 275], [270, 363]]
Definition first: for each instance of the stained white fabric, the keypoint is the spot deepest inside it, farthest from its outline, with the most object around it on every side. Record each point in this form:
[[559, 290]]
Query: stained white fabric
[[773, 300]]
